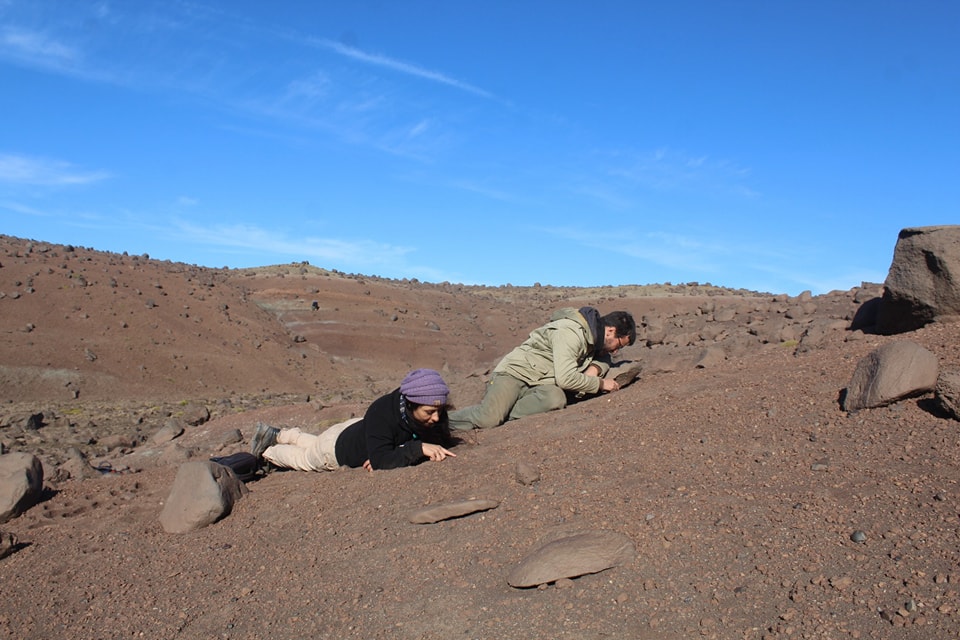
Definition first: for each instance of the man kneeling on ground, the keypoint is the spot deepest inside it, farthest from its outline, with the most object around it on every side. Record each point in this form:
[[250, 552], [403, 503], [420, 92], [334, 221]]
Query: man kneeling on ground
[[568, 356]]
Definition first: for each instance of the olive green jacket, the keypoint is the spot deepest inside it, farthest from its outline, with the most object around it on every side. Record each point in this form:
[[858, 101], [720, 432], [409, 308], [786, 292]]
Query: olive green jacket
[[557, 353]]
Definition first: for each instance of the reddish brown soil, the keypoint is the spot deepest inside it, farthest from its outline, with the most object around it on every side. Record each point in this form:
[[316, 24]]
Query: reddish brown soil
[[740, 483]]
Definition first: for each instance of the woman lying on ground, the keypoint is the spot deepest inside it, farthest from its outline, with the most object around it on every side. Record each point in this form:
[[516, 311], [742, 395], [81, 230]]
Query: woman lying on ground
[[399, 429]]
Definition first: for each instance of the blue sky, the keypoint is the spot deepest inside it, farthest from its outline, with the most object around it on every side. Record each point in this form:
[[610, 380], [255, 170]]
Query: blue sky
[[771, 145]]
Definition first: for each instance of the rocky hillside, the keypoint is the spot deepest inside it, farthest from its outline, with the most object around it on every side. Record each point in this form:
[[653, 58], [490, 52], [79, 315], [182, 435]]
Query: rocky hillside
[[757, 506]]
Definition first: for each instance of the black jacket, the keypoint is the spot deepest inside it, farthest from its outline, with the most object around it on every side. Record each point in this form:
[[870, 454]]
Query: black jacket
[[387, 438]]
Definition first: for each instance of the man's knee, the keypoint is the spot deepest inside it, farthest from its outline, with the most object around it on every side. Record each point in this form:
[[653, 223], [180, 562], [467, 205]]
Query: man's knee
[[539, 400], [487, 417]]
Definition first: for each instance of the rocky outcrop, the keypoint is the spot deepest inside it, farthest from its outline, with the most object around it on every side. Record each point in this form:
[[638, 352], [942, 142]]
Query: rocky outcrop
[[894, 371], [923, 284]]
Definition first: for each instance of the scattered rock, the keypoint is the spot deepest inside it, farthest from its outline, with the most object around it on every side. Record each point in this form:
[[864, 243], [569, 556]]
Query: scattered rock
[[170, 430], [33, 422], [118, 441], [195, 415], [527, 473], [710, 357], [8, 544], [77, 466], [231, 437]]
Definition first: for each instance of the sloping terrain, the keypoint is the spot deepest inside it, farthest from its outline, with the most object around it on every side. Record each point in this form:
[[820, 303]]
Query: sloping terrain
[[738, 477]]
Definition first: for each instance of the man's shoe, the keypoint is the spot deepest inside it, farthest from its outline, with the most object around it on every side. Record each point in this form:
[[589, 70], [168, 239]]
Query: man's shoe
[[264, 437]]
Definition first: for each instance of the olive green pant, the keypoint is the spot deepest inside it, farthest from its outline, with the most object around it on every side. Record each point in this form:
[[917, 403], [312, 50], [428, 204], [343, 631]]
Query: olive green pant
[[507, 398]]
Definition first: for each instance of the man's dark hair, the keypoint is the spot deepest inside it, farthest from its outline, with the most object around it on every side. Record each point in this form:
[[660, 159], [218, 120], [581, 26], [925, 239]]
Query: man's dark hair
[[623, 323]]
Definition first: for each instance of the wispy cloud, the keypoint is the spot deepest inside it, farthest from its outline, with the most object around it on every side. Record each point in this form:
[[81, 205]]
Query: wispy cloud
[[36, 48], [20, 169], [16, 207], [266, 242], [668, 169], [400, 66]]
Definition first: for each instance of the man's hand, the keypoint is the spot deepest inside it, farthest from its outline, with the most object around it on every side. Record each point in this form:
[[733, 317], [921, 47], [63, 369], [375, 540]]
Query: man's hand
[[608, 384], [436, 453]]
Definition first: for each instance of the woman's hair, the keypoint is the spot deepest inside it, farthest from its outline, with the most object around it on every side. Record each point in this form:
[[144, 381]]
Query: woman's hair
[[444, 408], [441, 429]]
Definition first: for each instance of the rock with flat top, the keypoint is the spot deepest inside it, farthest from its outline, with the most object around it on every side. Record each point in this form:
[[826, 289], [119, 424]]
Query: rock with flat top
[[573, 556]]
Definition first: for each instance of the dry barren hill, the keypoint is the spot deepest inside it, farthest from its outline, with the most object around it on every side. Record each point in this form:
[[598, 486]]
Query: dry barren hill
[[729, 464]]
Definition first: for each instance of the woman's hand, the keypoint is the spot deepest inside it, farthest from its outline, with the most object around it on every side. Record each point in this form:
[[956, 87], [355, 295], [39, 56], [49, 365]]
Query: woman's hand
[[436, 453]]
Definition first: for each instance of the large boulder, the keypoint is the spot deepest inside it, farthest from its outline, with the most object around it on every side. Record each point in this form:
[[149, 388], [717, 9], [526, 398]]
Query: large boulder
[[21, 483], [923, 284], [894, 371], [202, 493]]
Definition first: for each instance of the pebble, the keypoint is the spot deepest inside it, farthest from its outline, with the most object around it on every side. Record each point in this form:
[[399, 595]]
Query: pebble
[[858, 536]]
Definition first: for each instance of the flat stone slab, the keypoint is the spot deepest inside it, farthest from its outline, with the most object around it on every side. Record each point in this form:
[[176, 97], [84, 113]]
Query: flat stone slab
[[895, 371], [573, 556], [628, 376], [450, 510]]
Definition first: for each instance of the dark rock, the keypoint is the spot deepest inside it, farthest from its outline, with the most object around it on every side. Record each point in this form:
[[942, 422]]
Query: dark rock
[[923, 284], [947, 393], [195, 415], [8, 544], [866, 315]]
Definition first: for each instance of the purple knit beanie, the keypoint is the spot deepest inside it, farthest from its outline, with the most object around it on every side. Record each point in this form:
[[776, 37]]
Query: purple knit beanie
[[425, 386]]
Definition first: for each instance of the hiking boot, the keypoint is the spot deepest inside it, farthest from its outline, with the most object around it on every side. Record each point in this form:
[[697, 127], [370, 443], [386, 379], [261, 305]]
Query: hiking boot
[[264, 437]]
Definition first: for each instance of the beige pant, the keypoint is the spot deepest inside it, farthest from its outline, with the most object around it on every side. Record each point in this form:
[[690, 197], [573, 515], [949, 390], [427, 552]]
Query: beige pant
[[306, 451]]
